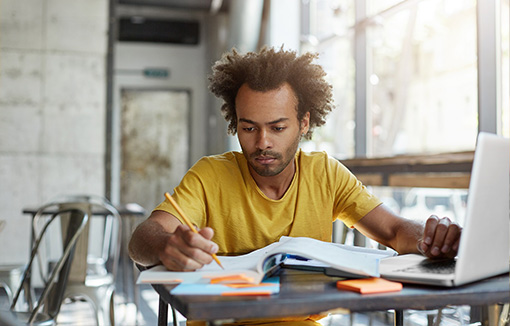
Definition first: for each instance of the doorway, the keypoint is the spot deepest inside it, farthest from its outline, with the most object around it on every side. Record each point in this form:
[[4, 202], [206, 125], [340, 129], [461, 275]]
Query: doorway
[[155, 138]]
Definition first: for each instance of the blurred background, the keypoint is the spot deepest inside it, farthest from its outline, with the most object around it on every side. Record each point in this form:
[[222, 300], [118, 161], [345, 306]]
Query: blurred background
[[109, 97]]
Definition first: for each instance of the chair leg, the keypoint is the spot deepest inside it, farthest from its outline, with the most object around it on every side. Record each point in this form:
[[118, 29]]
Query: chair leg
[[112, 309], [10, 278], [109, 308], [102, 301], [399, 317], [162, 313], [105, 311], [7, 290]]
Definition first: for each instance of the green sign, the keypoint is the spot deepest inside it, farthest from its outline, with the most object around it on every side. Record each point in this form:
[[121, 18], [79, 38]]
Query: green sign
[[156, 72]]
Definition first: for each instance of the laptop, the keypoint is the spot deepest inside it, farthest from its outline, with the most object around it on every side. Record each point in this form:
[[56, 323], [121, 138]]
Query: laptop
[[484, 248]]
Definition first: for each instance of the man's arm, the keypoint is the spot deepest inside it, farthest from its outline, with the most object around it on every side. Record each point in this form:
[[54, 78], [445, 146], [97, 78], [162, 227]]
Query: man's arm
[[163, 239], [436, 238]]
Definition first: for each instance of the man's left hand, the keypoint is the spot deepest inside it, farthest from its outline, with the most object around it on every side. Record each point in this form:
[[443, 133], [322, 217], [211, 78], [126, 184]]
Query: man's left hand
[[441, 238]]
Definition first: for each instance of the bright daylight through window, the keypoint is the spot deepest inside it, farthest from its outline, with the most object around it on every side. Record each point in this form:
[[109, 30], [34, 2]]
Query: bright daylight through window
[[405, 74]]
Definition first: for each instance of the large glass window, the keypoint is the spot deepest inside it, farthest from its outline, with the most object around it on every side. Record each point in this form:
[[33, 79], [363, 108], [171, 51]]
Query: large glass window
[[421, 69], [420, 203], [328, 31], [505, 67], [422, 91], [419, 62]]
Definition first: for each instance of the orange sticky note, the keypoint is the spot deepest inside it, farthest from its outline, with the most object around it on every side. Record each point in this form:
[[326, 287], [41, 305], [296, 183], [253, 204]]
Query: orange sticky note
[[177, 280], [231, 279], [369, 285]]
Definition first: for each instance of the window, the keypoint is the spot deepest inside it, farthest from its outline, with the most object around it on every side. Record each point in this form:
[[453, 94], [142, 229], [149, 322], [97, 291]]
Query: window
[[327, 30], [405, 75], [420, 203], [418, 62], [422, 84], [505, 68]]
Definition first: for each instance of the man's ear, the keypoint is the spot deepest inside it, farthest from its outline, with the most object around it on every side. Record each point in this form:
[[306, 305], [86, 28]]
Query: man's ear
[[305, 123]]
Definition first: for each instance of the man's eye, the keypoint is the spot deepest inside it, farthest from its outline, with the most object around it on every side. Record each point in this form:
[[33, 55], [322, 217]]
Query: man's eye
[[279, 128], [248, 129]]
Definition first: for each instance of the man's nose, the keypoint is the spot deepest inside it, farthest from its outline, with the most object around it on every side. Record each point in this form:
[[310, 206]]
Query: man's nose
[[263, 140]]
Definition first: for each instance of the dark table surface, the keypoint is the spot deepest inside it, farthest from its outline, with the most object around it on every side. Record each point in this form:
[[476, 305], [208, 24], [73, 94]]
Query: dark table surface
[[305, 293]]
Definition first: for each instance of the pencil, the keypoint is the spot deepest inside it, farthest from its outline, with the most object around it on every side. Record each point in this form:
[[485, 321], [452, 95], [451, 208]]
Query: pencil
[[188, 223]]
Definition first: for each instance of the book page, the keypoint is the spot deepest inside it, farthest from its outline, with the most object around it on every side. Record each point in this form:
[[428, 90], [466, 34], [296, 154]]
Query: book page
[[355, 260], [243, 264], [240, 263]]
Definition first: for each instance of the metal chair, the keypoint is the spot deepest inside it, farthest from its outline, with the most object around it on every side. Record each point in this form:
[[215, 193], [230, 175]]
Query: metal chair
[[162, 306], [44, 309], [10, 278], [10, 275], [97, 269]]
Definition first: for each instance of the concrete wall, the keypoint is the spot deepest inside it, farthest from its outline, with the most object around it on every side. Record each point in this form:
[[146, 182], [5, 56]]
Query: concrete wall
[[53, 101], [52, 108]]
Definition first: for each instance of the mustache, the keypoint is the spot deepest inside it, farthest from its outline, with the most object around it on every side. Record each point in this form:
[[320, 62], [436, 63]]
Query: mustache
[[259, 153]]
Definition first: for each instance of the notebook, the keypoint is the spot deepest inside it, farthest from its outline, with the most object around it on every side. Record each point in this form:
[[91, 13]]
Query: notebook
[[484, 248]]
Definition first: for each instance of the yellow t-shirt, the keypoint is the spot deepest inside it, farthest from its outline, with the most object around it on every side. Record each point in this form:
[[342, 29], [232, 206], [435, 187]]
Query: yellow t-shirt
[[219, 192]]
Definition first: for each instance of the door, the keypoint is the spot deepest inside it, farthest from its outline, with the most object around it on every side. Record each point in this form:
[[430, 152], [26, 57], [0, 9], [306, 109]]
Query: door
[[155, 139]]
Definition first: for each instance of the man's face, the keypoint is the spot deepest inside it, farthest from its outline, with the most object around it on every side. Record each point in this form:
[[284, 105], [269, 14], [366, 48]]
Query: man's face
[[268, 128]]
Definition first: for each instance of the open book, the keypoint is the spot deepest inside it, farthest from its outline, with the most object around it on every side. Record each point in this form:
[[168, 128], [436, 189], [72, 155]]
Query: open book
[[301, 253]]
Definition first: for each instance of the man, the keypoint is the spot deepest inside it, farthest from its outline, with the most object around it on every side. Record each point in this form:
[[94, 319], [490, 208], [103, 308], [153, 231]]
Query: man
[[244, 201]]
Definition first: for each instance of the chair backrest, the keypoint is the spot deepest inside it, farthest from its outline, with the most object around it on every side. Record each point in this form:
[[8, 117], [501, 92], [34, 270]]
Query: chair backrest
[[55, 276], [106, 256]]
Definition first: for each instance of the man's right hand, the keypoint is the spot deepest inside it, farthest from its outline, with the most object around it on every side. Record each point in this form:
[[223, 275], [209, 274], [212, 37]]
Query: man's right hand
[[186, 250], [163, 239]]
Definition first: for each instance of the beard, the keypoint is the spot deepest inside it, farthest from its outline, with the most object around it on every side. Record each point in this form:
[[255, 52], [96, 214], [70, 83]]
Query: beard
[[282, 160]]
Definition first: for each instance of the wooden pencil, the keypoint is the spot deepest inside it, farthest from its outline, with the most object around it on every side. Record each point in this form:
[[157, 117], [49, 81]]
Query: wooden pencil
[[187, 221]]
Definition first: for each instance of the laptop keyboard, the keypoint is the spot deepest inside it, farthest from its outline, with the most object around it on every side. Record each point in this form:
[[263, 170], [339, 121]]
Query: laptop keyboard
[[433, 266]]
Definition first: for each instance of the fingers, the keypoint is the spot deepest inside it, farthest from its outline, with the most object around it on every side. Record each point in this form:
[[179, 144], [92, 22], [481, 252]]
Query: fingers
[[187, 251], [207, 233], [440, 238], [428, 234]]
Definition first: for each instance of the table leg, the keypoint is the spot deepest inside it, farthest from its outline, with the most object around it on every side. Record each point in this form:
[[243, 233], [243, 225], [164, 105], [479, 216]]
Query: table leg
[[162, 313], [399, 317], [494, 314], [487, 315]]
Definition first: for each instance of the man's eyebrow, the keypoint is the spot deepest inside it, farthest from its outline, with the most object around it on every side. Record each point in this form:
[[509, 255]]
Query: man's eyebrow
[[268, 123]]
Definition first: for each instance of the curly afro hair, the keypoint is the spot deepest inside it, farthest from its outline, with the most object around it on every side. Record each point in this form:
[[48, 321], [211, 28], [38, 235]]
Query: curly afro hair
[[268, 70]]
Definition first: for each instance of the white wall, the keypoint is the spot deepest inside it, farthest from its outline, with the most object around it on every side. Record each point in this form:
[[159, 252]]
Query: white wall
[[53, 101], [52, 108], [188, 67]]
